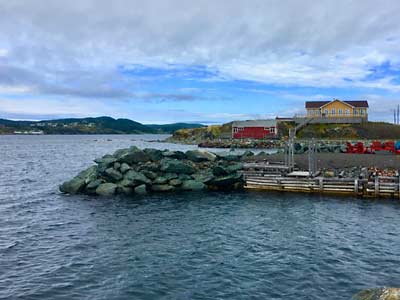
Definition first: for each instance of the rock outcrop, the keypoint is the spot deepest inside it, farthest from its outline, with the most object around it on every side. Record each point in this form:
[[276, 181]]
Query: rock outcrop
[[134, 171], [378, 294]]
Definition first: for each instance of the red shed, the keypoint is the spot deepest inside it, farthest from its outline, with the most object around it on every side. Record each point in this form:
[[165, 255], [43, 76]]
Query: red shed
[[254, 129]]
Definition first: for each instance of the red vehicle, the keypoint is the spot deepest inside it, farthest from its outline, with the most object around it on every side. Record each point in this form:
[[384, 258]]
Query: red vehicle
[[375, 148]]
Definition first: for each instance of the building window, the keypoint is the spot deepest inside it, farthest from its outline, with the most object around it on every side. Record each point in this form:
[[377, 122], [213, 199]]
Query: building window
[[355, 112], [326, 112], [333, 111], [235, 130], [361, 111], [272, 130], [347, 112], [340, 112]]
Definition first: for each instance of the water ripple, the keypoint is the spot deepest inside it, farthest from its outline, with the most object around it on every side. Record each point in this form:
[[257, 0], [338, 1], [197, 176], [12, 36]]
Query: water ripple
[[186, 246]]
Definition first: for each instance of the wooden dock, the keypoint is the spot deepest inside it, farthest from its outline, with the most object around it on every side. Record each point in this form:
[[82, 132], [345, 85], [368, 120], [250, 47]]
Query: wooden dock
[[263, 179]]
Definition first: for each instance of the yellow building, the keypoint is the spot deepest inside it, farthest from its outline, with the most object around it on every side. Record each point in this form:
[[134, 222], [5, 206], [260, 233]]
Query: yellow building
[[338, 109]]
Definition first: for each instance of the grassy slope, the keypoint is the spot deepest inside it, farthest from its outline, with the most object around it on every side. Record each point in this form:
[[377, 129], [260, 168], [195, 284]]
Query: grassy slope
[[370, 130]]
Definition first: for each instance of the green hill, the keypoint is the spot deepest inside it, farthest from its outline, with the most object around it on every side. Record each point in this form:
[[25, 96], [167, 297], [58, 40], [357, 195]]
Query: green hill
[[99, 125]]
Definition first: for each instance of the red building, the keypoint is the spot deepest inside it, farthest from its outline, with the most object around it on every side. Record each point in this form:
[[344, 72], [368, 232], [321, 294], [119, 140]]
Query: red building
[[254, 129]]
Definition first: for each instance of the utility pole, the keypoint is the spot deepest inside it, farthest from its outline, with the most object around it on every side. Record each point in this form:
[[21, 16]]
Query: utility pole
[[312, 161]]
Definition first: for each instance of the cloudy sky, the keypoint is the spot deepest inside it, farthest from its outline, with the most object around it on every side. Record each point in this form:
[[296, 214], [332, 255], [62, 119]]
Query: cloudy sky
[[208, 61]]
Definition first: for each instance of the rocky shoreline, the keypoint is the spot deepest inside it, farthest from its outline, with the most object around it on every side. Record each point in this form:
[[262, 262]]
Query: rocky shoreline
[[133, 171]]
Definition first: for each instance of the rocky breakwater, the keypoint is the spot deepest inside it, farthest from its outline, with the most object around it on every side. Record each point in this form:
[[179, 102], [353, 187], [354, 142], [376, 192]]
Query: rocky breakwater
[[134, 171]]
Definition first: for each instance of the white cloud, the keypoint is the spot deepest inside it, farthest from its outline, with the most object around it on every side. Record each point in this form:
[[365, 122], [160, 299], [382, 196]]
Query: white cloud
[[266, 41]]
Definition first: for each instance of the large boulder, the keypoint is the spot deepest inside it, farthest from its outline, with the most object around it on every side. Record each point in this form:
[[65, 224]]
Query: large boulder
[[176, 166], [136, 178], [154, 154], [73, 186], [133, 156], [174, 154], [229, 156], [124, 168], [160, 180], [175, 182], [141, 189], [113, 174], [78, 183], [106, 189], [204, 177], [227, 181], [378, 294], [234, 167], [106, 161], [193, 185], [219, 171], [199, 156]]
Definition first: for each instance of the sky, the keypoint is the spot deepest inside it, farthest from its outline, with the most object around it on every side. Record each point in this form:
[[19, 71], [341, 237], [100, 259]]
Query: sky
[[161, 61]]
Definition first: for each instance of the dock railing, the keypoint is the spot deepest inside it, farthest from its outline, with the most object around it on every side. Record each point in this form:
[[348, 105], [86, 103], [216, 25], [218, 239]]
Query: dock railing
[[264, 179]]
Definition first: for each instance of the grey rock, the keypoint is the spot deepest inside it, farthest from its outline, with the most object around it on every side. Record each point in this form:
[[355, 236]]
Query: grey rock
[[78, 183], [113, 174], [184, 177], [229, 156], [105, 162], [205, 177], [124, 168], [149, 174], [174, 154], [106, 189], [175, 182], [234, 168], [247, 153], [94, 184], [176, 166], [199, 156], [170, 176], [134, 156], [141, 189], [117, 165], [160, 180], [73, 186], [219, 171], [378, 294], [193, 185], [136, 178], [227, 181], [125, 190], [162, 188], [154, 154]]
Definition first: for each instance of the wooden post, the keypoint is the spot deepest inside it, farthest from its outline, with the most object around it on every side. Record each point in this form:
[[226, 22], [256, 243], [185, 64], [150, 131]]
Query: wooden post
[[398, 186], [321, 184], [356, 186], [376, 186]]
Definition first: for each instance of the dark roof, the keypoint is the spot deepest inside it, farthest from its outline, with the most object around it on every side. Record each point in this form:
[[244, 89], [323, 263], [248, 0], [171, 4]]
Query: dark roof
[[255, 123], [355, 103]]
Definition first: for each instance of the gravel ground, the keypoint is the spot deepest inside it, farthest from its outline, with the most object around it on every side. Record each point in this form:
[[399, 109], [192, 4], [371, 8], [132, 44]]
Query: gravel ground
[[339, 160]]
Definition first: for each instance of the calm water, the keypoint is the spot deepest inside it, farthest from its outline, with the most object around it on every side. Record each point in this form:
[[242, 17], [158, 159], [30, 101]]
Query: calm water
[[185, 246]]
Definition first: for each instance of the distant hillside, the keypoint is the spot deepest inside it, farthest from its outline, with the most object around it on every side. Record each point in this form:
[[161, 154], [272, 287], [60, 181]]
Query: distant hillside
[[100, 125], [196, 135], [170, 128]]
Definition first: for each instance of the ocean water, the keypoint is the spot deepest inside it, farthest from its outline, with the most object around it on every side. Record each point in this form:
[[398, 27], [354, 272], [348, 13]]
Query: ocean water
[[243, 245]]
